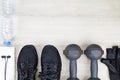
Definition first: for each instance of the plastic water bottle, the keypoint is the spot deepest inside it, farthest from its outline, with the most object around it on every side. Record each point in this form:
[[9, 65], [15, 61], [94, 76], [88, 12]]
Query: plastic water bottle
[[8, 9], [7, 30]]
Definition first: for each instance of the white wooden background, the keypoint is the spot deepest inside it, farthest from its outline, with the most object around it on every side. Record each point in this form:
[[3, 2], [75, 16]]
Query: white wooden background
[[62, 22]]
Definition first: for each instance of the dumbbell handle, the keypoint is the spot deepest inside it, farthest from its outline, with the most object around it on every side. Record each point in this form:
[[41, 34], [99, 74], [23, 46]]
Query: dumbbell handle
[[73, 69], [94, 69]]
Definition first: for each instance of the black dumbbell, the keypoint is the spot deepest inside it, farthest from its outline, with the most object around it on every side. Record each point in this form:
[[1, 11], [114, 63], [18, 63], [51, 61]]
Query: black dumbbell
[[73, 52], [94, 52]]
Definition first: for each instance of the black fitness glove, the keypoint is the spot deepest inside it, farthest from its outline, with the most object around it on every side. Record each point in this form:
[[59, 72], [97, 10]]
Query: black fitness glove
[[113, 62]]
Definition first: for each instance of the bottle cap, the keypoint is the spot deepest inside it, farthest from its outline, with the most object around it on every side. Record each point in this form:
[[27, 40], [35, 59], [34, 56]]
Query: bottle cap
[[7, 43]]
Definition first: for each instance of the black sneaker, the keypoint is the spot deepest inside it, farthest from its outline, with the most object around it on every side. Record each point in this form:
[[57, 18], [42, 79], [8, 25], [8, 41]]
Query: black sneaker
[[27, 63], [50, 63]]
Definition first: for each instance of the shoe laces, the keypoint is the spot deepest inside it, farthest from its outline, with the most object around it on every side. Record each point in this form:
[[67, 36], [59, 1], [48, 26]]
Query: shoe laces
[[49, 71], [31, 71], [27, 72]]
